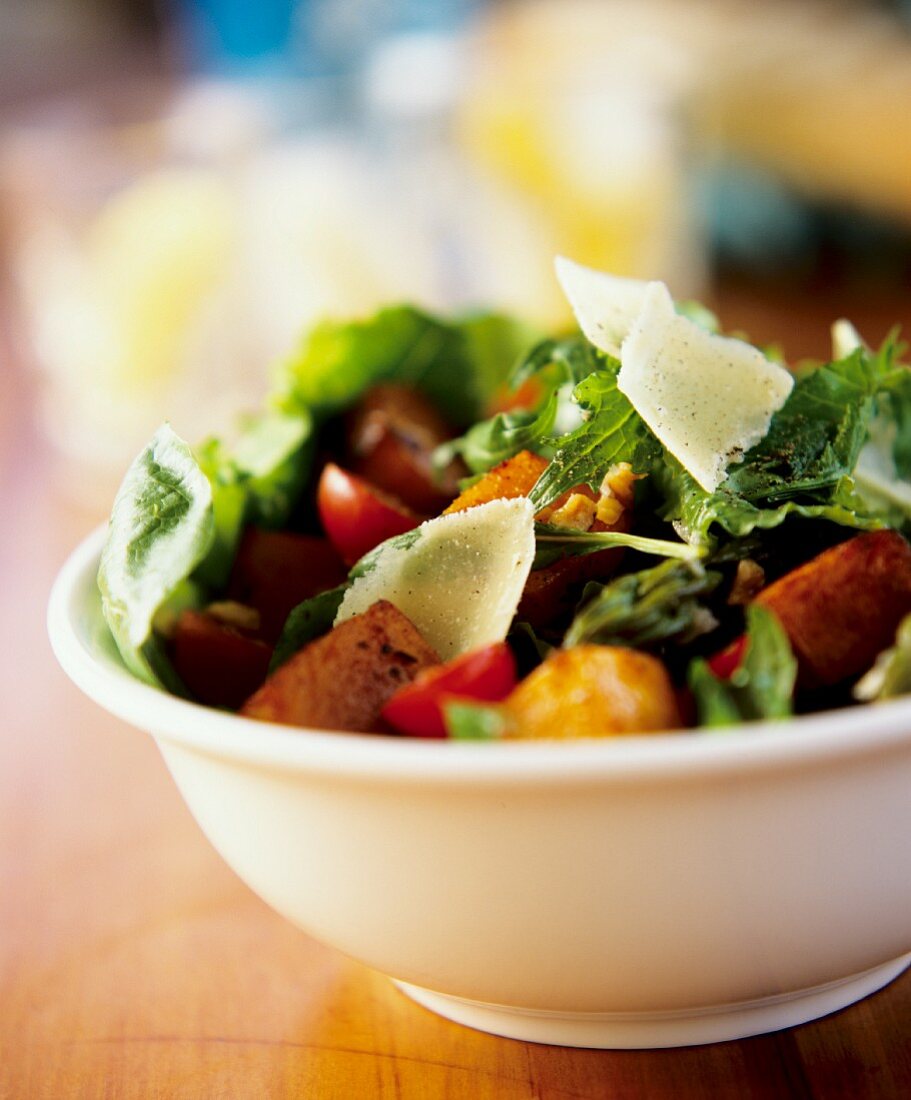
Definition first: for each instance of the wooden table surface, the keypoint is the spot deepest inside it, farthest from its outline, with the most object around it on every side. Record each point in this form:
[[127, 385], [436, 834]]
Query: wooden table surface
[[133, 963]]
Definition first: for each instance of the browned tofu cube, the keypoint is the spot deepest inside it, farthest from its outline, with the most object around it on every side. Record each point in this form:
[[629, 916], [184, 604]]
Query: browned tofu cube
[[593, 691], [842, 608], [342, 680]]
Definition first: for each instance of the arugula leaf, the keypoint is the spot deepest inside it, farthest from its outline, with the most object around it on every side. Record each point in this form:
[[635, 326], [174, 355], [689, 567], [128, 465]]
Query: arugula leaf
[[307, 621], [803, 466], [554, 362], [162, 526], [642, 609], [504, 435], [558, 366], [553, 543], [884, 466], [458, 365], [815, 438], [761, 687], [694, 512], [611, 432]]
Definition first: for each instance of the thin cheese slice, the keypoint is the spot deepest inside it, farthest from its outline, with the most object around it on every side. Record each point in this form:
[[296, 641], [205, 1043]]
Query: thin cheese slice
[[460, 582], [707, 398], [605, 305], [845, 339]]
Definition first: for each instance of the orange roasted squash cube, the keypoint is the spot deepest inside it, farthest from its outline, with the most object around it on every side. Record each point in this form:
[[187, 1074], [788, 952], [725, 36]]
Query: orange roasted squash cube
[[514, 477], [593, 691]]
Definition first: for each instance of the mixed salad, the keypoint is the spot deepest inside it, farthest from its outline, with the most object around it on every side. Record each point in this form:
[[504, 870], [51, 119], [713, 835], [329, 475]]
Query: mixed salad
[[455, 528]]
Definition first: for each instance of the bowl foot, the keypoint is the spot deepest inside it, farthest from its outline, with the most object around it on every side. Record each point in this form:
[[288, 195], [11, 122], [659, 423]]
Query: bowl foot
[[642, 1030]]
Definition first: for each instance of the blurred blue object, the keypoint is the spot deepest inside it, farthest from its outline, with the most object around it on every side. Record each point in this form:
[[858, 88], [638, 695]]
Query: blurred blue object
[[300, 38], [234, 35]]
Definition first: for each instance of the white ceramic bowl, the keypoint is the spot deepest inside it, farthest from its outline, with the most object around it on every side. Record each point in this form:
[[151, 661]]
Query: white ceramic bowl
[[639, 892]]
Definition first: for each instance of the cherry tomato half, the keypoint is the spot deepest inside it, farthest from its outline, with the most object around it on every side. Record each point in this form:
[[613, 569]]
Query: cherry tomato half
[[355, 515], [488, 674], [725, 663]]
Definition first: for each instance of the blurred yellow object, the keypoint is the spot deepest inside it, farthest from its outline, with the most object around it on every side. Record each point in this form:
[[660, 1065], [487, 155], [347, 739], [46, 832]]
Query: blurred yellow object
[[155, 254], [586, 112], [586, 135]]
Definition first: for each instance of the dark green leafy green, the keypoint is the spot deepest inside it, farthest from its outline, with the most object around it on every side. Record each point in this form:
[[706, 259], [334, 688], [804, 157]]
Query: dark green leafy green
[[803, 466], [611, 432], [162, 526], [307, 621], [526, 644], [761, 687], [815, 438], [696, 513], [645, 608], [556, 366]]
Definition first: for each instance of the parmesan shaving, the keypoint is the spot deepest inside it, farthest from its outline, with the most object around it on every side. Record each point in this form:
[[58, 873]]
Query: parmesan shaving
[[460, 582], [708, 398], [605, 305]]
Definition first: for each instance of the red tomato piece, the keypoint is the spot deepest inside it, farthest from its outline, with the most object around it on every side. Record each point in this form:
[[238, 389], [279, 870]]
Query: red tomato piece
[[726, 663], [219, 664], [487, 674], [276, 570], [357, 516], [392, 434]]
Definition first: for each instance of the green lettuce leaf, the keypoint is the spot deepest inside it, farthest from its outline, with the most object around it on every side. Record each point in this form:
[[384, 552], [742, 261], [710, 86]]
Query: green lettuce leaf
[[645, 608], [257, 480], [162, 526], [761, 687], [458, 365], [307, 621]]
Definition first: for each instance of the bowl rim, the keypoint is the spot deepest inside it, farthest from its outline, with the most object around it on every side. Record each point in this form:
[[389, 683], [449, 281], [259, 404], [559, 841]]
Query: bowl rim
[[749, 747]]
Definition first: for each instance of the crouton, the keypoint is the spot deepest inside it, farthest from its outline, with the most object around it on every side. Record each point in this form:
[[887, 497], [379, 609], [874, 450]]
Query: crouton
[[841, 609], [342, 680]]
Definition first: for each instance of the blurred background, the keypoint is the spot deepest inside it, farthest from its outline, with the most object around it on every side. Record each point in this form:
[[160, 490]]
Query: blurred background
[[186, 184]]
